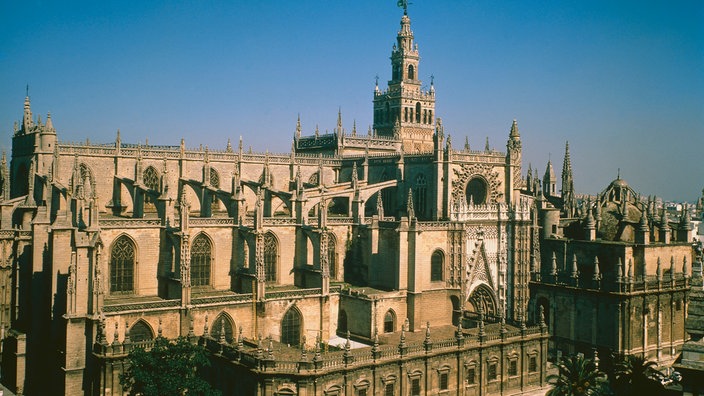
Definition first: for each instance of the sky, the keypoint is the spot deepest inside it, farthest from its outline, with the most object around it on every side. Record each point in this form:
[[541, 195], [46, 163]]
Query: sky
[[622, 81]]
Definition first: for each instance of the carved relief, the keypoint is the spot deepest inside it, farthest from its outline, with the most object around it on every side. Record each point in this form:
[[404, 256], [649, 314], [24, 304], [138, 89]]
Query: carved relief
[[465, 174]]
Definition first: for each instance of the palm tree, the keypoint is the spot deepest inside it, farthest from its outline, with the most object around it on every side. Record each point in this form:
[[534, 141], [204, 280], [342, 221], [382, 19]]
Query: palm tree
[[578, 376], [635, 375]]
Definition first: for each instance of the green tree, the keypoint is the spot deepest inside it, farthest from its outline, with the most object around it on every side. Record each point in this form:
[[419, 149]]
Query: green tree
[[168, 368], [634, 375], [578, 376]]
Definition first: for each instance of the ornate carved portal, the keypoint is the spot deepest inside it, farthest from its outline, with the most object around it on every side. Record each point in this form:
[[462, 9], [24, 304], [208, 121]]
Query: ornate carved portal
[[478, 181], [483, 297]]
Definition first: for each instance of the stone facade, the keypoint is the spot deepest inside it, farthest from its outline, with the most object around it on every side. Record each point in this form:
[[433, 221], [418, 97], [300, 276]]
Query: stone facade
[[106, 246], [614, 272]]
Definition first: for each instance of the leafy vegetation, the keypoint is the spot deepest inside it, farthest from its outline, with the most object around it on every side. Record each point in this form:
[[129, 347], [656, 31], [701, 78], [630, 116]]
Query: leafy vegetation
[[578, 376], [168, 368]]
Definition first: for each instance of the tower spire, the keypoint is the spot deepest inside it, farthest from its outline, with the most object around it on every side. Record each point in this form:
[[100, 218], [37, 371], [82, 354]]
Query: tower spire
[[568, 198]]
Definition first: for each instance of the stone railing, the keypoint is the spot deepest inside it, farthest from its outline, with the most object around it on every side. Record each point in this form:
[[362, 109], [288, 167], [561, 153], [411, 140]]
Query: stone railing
[[129, 223], [140, 306]]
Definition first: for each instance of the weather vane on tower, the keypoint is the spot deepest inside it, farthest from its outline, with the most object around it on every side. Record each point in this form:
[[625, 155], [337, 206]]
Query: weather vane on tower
[[404, 4]]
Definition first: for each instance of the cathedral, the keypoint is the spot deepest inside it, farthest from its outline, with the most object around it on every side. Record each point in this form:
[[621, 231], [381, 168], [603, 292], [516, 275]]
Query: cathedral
[[379, 262]]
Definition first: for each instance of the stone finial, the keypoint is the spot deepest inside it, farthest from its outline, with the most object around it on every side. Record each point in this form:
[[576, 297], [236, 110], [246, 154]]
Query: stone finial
[[410, 208], [379, 205], [658, 271], [205, 326], [575, 268], [541, 316], [619, 271], [685, 268], [127, 333], [159, 329], [629, 274], [221, 338], [115, 340], [597, 273], [191, 333], [553, 268]]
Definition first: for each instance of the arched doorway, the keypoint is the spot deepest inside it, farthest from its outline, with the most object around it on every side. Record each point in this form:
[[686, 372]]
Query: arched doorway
[[483, 297]]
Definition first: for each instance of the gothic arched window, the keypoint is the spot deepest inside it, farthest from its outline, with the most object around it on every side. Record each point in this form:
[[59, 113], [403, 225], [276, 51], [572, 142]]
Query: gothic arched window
[[271, 253], [436, 266], [418, 112], [122, 260], [150, 178], [141, 331], [291, 327], [411, 72], [200, 261], [420, 191], [389, 321], [222, 322], [476, 191]]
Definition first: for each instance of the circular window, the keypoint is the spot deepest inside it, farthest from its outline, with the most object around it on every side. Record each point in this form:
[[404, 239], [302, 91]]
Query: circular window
[[476, 191]]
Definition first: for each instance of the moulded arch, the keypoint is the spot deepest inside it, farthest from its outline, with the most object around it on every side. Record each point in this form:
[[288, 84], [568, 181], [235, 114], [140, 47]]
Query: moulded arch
[[225, 319], [291, 325], [483, 296], [390, 321], [193, 198], [437, 265], [477, 190], [140, 331]]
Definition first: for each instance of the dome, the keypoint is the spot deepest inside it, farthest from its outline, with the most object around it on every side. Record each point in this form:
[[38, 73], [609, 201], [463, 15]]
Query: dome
[[619, 183]]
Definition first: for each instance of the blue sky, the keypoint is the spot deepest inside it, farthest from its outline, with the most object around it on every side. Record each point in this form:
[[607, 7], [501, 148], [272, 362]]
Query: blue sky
[[622, 81]]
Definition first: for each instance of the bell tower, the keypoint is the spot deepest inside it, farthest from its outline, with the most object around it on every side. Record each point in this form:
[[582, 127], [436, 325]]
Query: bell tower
[[404, 111]]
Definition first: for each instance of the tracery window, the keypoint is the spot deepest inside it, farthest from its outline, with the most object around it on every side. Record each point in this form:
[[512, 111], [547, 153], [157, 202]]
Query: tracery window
[[291, 327], [420, 191], [140, 331], [151, 182], [271, 253], [122, 258], [217, 328], [200, 261], [436, 266], [150, 178]]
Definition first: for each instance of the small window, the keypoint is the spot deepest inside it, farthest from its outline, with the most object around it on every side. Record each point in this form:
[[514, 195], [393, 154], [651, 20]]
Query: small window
[[532, 364], [471, 376], [444, 381], [362, 392], [389, 390], [513, 367], [415, 387], [436, 264], [491, 372], [554, 229], [389, 322], [411, 72]]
